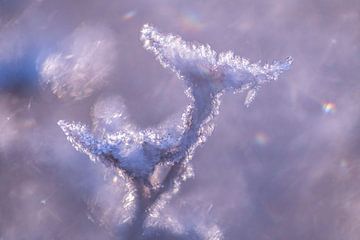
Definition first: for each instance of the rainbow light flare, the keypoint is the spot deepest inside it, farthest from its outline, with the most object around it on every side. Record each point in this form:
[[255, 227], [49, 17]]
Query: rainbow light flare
[[129, 15], [261, 138], [329, 107], [190, 21]]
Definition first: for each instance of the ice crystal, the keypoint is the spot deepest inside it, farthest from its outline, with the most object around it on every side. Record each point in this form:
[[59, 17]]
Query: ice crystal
[[207, 76]]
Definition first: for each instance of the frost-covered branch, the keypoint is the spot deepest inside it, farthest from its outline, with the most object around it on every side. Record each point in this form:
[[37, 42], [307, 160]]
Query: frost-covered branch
[[207, 76]]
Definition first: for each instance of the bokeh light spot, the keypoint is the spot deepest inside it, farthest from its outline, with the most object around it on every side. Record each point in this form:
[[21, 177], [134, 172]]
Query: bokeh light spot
[[190, 21], [329, 107], [261, 139], [129, 15]]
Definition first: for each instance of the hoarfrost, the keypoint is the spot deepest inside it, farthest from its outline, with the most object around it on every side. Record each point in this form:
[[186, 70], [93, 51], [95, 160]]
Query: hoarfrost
[[137, 153]]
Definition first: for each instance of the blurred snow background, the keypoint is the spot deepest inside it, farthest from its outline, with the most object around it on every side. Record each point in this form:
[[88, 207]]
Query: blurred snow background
[[285, 168]]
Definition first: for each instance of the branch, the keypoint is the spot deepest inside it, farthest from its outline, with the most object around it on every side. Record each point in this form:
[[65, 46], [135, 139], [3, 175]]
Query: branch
[[207, 76]]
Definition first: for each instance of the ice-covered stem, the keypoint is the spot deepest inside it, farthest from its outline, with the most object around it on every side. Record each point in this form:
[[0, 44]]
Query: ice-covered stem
[[207, 75]]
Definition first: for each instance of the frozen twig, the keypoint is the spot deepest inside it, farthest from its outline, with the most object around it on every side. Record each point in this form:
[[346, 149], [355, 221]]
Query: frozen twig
[[207, 76]]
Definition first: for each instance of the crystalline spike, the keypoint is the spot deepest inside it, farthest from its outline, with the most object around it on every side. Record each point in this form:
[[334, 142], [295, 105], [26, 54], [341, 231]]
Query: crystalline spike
[[83, 140], [175, 53], [250, 97]]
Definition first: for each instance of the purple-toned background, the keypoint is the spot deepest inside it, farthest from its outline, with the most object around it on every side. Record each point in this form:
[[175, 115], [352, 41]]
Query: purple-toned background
[[285, 168]]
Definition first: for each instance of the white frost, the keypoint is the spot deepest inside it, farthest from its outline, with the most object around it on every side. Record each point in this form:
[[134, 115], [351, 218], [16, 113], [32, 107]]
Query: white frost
[[207, 76]]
